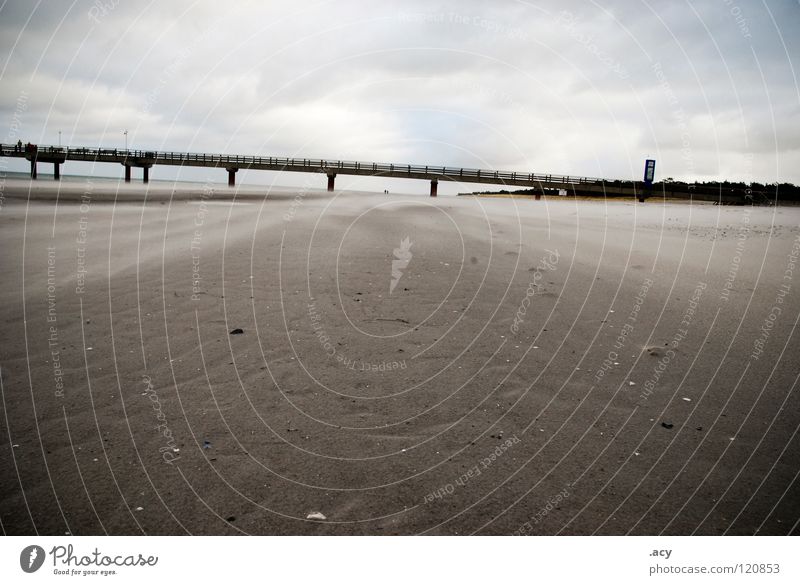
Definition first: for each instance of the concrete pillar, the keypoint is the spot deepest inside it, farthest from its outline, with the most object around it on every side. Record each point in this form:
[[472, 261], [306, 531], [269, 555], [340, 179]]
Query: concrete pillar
[[57, 171], [231, 177], [33, 167], [146, 174], [127, 173], [434, 187], [331, 178], [538, 197]]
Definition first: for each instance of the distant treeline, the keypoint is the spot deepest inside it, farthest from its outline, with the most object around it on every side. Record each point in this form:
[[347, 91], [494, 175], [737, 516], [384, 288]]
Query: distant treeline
[[754, 192]]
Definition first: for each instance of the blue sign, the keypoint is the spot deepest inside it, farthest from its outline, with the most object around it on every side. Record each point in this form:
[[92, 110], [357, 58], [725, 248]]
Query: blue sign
[[649, 171]]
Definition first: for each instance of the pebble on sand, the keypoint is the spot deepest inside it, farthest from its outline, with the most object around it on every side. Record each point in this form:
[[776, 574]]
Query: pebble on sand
[[237, 331], [667, 425], [316, 516]]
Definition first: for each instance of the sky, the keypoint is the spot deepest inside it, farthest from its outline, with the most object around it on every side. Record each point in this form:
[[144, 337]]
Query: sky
[[708, 88]]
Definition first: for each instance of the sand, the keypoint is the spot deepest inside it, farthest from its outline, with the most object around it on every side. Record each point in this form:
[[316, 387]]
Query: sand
[[537, 367]]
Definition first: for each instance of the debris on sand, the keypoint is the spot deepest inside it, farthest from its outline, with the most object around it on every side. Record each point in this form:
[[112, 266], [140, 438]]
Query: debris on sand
[[316, 516], [667, 425], [237, 331]]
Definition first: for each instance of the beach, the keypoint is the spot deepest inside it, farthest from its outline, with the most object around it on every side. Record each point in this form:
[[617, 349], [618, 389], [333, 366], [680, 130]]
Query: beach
[[208, 360]]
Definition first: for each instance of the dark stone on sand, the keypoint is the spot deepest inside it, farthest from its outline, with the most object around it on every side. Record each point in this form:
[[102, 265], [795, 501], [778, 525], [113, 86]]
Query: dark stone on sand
[[667, 425], [237, 331]]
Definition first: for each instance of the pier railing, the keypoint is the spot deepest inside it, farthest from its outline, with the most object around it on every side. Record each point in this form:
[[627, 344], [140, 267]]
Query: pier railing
[[139, 158]]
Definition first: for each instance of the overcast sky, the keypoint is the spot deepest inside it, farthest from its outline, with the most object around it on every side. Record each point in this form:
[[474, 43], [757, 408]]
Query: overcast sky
[[708, 88]]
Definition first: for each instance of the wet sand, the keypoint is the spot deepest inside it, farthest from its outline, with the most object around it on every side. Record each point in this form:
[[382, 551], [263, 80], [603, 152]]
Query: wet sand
[[406, 365]]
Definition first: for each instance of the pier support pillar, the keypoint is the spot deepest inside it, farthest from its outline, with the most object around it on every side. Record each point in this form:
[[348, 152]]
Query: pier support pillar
[[231, 177], [127, 173], [146, 174], [538, 197], [434, 187], [57, 171], [33, 168], [331, 178]]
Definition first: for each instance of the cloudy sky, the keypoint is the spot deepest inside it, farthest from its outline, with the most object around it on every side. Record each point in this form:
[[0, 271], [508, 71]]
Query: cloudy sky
[[709, 88]]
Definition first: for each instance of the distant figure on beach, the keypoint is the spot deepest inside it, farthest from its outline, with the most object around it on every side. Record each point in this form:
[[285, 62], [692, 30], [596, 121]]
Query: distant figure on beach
[[19, 145]]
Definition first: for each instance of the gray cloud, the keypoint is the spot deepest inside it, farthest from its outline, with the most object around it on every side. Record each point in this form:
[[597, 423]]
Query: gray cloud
[[585, 88]]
